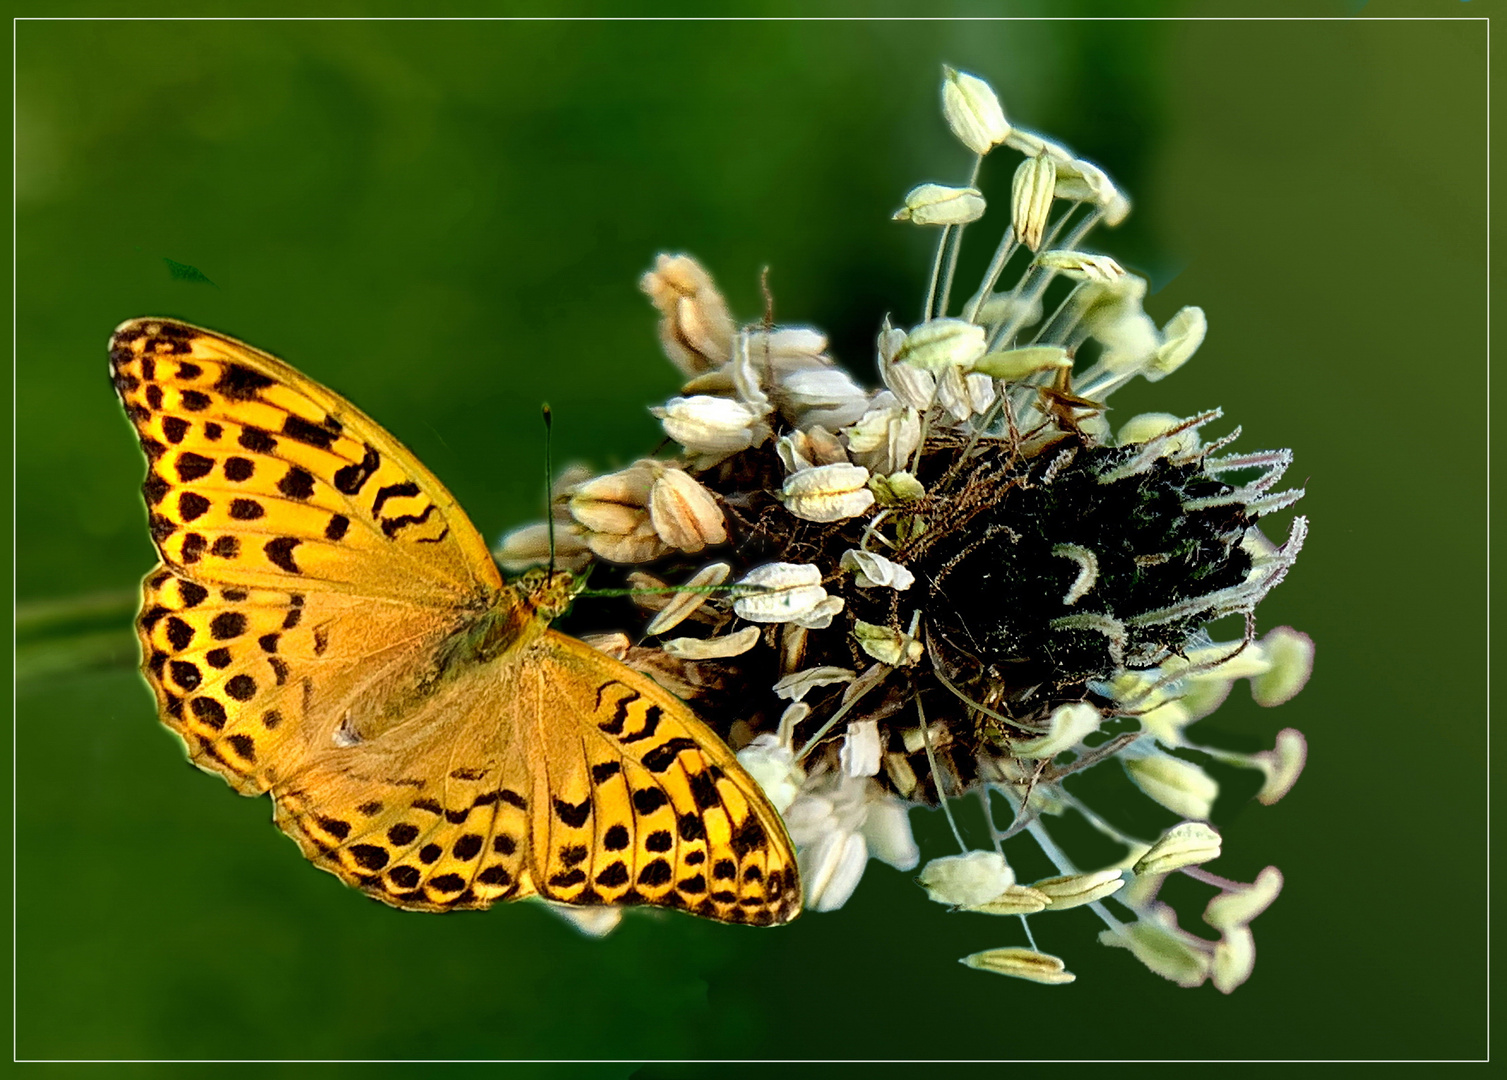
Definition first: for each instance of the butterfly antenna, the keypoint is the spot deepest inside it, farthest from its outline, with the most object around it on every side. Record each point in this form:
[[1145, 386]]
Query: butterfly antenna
[[549, 473]]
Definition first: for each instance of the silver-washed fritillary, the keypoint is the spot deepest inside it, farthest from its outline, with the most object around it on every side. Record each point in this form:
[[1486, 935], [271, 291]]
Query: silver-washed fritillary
[[326, 625]]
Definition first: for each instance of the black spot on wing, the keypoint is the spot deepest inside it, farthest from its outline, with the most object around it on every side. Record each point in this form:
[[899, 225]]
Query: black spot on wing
[[393, 491], [574, 816], [350, 479], [390, 526], [280, 552], [296, 427], [241, 383], [663, 756]]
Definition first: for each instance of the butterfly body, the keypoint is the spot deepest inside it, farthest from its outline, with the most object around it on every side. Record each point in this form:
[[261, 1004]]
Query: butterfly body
[[327, 626]]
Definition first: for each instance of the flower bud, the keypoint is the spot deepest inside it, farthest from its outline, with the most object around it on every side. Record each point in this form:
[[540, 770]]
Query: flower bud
[[592, 922], [696, 329], [1075, 890], [896, 488], [685, 515], [1181, 337], [1182, 845], [886, 828], [937, 204], [1021, 963], [973, 111], [831, 868], [887, 646], [1291, 655], [1148, 426], [1179, 785], [828, 492], [942, 343], [971, 878], [871, 571], [1069, 725], [1031, 199]]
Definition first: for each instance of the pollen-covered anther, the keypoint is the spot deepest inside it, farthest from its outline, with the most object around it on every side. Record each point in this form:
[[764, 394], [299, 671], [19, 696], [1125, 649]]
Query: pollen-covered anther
[[787, 592], [964, 395], [974, 877], [1181, 337], [529, 546], [1068, 726], [712, 426], [713, 648], [883, 440], [1234, 960], [1290, 654], [679, 606], [973, 111], [1031, 195], [1282, 765], [828, 492], [1075, 890], [815, 446], [1016, 900], [1013, 364], [1021, 963], [886, 645], [938, 204], [684, 513], [874, 571], [696, 329], [1172, 955], [1179, 785], [1187, 844], [943, 343], [1100, 269], [1238, 906]]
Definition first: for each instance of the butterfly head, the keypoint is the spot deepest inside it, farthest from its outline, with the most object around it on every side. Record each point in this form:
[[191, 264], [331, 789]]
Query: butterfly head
[[549, 592]]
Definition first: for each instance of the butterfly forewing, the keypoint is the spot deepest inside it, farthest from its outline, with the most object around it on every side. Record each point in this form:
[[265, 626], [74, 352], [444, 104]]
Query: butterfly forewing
[[259, 476]]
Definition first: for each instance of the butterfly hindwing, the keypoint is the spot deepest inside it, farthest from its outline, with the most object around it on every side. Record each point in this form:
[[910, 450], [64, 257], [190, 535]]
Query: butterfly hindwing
[[645, 803]]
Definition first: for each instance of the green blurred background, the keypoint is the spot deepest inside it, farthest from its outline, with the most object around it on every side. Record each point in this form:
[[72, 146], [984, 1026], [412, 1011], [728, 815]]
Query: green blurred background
[[446, 222]]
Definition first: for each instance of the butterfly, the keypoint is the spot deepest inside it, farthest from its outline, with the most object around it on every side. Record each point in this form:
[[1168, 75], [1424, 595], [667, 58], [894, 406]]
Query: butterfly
[[327, 625]]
